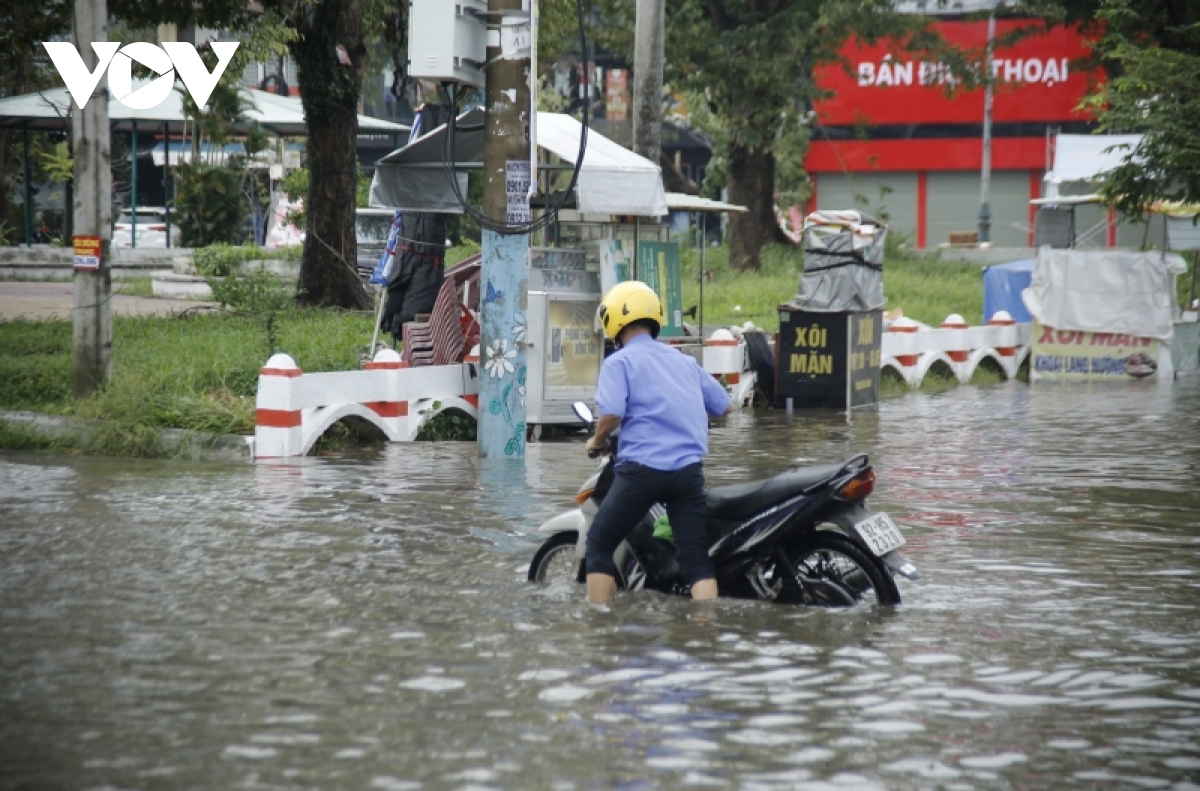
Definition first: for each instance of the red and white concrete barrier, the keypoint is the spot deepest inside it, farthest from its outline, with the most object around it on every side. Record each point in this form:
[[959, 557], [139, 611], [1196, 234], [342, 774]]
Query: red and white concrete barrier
[[294, 409], [912, 350], [724, 357]]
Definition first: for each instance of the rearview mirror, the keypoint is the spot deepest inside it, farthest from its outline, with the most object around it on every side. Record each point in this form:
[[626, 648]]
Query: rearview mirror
[[584, 412]]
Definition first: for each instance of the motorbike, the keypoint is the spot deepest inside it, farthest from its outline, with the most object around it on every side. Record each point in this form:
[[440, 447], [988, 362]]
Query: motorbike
[[805, 536]]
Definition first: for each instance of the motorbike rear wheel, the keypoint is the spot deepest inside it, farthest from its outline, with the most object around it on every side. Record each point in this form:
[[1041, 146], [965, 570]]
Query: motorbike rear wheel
[[555, 559], [827, 569]]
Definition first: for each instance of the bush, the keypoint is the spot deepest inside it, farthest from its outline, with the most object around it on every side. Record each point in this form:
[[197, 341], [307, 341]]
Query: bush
[[449, 425], [219, 260], [209, 204], [257, 293]]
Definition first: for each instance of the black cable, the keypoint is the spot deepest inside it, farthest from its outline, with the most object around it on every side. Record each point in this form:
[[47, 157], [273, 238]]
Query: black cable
[[449, 157]]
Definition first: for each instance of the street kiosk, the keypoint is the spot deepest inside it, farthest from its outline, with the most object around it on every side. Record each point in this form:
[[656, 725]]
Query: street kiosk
[[830, 334]]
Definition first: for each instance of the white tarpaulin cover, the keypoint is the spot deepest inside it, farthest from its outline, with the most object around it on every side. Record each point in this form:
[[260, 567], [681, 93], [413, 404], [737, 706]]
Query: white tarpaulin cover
[[1084, 157], [1117, 291], [613, 180]]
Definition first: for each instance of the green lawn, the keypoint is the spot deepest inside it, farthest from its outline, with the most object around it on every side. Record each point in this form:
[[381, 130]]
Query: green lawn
[[198, 372]]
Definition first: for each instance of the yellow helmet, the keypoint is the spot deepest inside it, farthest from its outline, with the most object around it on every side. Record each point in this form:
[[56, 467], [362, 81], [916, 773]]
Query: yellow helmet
[[626, 303]]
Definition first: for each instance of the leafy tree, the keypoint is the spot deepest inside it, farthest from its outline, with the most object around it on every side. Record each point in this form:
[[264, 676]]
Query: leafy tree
[[24, 25], [328, 41], [1151, 51], [210, 205], [752, 63]]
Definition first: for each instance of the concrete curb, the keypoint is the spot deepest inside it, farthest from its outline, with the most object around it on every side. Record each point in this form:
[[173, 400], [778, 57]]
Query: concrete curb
[[177, 443]]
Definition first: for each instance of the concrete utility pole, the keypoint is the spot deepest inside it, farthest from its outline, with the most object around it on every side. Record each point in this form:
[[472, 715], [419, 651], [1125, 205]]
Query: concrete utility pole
[[504, 279], [92, 213], [985, 170], [648, 79]]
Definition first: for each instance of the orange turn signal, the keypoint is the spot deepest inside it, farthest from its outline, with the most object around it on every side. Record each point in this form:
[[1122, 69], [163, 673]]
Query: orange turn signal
[[583, 496], [859, 486]]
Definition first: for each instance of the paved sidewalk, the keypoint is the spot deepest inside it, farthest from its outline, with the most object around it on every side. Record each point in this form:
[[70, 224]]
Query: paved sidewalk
[[52, 299]]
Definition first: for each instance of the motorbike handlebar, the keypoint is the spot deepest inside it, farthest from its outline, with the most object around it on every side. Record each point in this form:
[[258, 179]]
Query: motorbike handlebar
[[607, 451]]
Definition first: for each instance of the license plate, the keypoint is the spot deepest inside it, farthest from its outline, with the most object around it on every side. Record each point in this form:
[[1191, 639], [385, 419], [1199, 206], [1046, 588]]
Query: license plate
[[880, 533]]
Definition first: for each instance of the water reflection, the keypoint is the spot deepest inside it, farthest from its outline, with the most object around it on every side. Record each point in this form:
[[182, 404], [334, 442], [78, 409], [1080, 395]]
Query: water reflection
[[363, 622]]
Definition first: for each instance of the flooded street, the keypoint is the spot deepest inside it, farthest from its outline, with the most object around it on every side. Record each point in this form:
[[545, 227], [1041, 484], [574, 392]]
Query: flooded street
[[363, 622]]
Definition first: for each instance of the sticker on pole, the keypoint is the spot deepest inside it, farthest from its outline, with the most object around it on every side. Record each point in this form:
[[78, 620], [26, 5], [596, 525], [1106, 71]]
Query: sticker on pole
[[516, 190], [87, 252]]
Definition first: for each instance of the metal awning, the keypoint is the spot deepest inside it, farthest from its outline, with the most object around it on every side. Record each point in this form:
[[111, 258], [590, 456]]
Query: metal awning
[[280, 115], [678, 201], [613, 179]]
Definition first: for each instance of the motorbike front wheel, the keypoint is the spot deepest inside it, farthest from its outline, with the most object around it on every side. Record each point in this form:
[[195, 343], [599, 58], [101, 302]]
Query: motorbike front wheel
[[827, 569], [555, 559]]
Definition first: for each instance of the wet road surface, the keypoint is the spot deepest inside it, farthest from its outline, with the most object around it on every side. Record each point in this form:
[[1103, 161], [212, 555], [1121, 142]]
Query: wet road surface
[[363, 621]]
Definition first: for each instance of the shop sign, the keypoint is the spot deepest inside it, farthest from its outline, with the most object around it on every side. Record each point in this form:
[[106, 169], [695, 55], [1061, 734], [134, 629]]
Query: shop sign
[[829, 360], [616, 95], [1037, 80], [659, 268], [866, 354], [1070, 355]]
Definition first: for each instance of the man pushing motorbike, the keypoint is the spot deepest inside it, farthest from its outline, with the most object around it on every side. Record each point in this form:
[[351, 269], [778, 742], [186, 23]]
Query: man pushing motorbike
[[660, 399]]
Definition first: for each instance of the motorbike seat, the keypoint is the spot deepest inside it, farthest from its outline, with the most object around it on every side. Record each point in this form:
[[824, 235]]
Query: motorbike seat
[[743, 500]]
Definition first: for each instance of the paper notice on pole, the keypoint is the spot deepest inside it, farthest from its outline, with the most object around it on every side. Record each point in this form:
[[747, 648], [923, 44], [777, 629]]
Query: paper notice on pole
[[516, 37], [87, 252], [516, 189]]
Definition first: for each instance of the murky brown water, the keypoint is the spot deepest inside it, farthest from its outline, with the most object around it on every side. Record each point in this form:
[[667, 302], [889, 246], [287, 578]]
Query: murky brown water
[[364, 622]]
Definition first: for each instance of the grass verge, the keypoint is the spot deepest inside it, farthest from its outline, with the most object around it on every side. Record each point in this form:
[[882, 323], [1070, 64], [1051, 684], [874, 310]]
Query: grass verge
[[926, 288], [193, 372]]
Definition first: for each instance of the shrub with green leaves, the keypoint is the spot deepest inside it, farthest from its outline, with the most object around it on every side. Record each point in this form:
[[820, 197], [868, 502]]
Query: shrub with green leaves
[[209, 204]]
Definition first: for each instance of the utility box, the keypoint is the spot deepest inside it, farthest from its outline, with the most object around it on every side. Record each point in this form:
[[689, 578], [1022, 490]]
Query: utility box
[[1055, 227], [447, 41]]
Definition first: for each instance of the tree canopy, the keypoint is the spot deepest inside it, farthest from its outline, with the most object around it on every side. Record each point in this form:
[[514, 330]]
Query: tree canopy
[[752, 63], [1151, 51]]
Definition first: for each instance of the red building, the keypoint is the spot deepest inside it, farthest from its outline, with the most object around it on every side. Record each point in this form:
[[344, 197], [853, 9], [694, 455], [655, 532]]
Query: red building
[[892, 139]]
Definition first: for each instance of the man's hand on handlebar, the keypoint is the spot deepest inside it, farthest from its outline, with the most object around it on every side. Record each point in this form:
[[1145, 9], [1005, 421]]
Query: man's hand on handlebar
[[597, 446]]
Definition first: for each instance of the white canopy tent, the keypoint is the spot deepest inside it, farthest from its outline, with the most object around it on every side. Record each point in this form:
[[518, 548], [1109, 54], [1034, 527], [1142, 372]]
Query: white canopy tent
[[613, 179], [1081, 158]]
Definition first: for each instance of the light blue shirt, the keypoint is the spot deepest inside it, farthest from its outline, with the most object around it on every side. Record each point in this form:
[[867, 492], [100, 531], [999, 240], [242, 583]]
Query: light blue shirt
[[663, 399]]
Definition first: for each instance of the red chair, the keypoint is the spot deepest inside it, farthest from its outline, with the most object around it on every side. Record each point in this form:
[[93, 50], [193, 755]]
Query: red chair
[[447, 336]]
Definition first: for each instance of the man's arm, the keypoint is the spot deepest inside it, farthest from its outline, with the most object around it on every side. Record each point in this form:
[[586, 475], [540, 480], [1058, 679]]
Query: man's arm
[[716, 401], [612, 395], [605, 426]]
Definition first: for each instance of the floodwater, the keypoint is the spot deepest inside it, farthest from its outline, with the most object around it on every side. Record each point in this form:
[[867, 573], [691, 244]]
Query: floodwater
[[363, 622]]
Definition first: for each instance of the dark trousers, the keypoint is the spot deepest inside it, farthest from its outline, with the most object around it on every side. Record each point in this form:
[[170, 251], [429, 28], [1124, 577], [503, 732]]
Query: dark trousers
[[635, 489]]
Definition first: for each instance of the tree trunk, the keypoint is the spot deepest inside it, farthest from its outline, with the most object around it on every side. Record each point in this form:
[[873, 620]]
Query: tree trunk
[[751, 179], [329, 91]]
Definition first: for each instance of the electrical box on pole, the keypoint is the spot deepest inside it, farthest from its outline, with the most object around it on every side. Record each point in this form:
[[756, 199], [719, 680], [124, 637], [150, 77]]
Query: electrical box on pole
[[447, 41]]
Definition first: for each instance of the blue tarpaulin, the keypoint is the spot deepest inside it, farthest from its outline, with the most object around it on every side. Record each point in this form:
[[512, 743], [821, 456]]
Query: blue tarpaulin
[[1002, 287]]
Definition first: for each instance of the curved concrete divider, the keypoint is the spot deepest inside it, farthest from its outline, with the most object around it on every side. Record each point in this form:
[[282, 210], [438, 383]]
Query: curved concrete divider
[[294, 409], [724, 356], [912, 350]]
